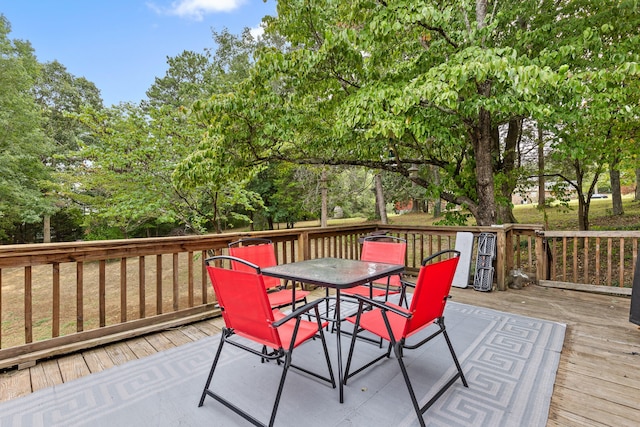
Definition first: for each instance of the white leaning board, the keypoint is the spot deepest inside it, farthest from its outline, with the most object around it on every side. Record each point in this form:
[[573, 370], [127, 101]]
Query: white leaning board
[[464, 244]]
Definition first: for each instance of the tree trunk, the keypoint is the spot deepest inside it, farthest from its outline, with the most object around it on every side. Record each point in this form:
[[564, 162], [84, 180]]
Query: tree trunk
[[380, 200], [482, 146], [415, 205], [583, 214], [583, 203], [508, 186], [616, 194], [323, 193], [542, 191], [46, 232], [637, 197]]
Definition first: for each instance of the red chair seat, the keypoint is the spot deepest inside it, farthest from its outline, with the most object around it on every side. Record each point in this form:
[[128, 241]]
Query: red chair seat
[[373, 321], [306, 330]]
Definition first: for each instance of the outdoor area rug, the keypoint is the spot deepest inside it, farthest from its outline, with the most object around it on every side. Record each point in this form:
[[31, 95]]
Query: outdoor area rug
[[510, 363]]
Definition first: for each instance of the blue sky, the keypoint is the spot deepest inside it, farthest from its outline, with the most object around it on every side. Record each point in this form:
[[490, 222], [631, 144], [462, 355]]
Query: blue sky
[[122, 45]]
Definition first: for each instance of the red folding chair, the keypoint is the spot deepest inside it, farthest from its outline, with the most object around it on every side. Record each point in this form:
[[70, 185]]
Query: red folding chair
[[247, 313], [387, 249], [261, 253], [396, 324]]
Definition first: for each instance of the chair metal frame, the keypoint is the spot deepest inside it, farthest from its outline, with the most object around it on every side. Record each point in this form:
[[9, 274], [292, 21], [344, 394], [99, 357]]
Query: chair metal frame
[[396, 324], [272, 327], [279, 295]]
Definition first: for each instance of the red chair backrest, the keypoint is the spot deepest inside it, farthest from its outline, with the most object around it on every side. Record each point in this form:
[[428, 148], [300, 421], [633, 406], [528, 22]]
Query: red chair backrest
[[244, 303], [387, 252], [262, 255], [430, 295]]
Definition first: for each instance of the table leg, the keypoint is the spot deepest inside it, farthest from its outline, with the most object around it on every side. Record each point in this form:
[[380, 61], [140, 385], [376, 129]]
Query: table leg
[[340, 373], [293, 295]]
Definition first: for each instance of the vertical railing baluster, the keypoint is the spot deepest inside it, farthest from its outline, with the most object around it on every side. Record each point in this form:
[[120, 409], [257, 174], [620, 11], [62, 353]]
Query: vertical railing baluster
[[55, 309], [552, 247], [28, 306], [564, 259], [102, 292], [597, 260], [575, 259], [79, 296], [190, 277], [123, 290], [142, 297], [609, 255], [203, 272], [586, 260], [621, 272], [292, 251], [176, 289], [159, 284]]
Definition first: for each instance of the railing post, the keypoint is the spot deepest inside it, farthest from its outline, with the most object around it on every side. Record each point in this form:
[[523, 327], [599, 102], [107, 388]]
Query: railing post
[[501, 257], [541, 257], [303, 246]]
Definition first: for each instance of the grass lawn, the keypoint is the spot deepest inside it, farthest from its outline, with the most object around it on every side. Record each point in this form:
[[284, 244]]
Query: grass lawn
[[558, 217]]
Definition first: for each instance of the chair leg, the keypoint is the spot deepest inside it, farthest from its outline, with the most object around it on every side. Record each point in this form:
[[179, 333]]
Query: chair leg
[[354, 337], [324, 348], [213, 367], [416, 406], [455, 358], [287, 364], [236, 409], [421, 410], [351, 347]]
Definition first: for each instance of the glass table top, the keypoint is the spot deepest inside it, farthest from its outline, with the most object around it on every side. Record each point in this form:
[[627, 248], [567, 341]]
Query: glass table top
[[333, 272]]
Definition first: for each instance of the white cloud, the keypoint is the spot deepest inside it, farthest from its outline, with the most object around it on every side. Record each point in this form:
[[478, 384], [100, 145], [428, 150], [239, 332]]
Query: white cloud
[[257, 32], [196, 9]]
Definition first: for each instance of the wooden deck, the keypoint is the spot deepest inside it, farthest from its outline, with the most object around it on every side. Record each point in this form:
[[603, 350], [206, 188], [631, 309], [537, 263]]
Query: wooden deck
[[598, 382]]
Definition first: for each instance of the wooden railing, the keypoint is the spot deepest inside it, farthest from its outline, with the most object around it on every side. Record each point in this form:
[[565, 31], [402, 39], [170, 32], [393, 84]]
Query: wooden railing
[[591, 260], [63, 297]]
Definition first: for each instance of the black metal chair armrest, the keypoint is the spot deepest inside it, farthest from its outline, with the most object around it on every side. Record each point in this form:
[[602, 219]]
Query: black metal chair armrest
[[298, 312], [383, 306]]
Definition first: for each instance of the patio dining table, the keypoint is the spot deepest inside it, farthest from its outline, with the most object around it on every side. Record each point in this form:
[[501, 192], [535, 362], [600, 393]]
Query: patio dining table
[[334, 273]]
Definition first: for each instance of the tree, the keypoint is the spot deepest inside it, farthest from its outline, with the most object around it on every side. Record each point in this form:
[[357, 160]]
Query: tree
[[589, 119], [284, 194], [22, 142], [438, 84], [134, 181], [61, 96]]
